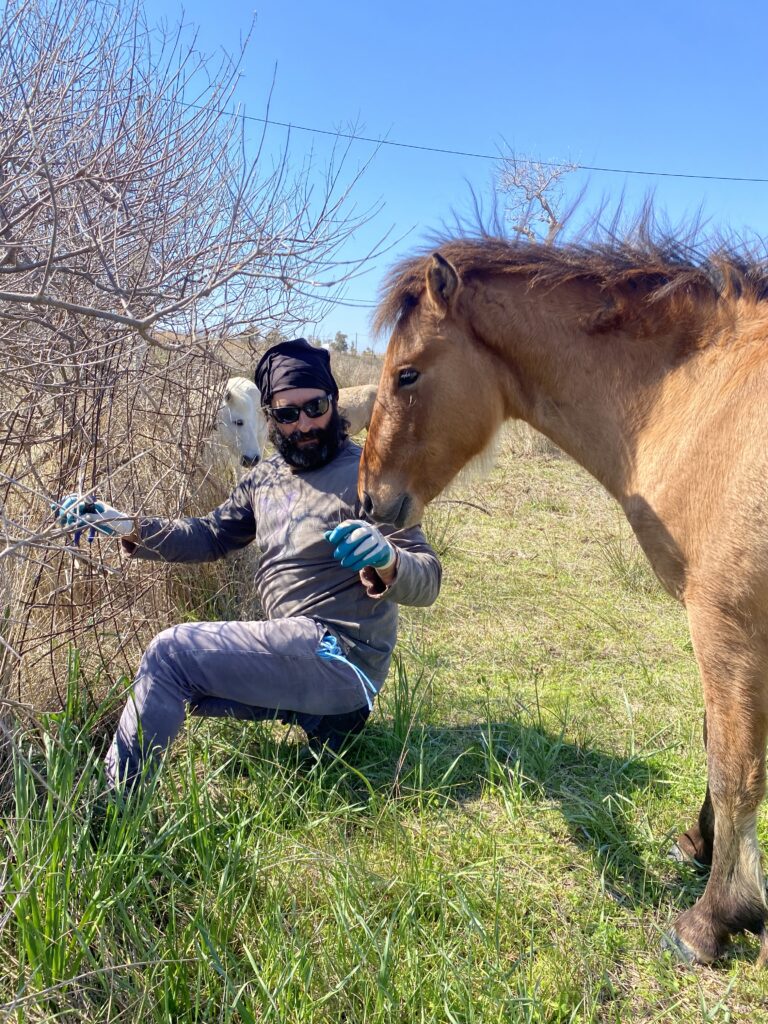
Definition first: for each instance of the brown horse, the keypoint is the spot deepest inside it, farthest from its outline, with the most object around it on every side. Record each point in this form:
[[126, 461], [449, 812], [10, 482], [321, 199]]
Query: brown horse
[[651, 370]]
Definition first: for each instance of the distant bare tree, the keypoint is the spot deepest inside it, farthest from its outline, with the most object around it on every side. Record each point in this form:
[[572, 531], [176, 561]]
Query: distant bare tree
[[136, 234], [535, 195]]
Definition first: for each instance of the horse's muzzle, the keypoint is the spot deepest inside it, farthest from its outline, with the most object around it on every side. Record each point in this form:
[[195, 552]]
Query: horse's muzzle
[[394, 512], [249, 461]]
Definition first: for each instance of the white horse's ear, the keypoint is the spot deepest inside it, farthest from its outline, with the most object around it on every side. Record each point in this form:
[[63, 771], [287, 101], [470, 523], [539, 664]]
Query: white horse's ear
[[442, 282]]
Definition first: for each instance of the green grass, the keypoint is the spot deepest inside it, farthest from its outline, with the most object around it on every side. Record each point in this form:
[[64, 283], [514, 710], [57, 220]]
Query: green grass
[[494, 851]]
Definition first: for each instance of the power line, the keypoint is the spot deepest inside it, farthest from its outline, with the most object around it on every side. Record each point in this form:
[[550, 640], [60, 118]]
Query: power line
[[484, 156]]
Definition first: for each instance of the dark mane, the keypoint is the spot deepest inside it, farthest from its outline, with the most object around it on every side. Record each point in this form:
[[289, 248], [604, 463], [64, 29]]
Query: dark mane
[[714, 271]]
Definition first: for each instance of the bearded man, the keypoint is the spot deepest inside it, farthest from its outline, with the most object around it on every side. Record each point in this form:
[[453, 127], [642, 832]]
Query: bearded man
[[328, 582]]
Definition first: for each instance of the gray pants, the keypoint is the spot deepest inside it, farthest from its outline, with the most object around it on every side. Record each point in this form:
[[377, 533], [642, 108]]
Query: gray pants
[[254, 670]]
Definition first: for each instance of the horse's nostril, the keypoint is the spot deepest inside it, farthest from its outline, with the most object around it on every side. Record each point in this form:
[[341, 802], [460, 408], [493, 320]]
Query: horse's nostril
[[367, 503]]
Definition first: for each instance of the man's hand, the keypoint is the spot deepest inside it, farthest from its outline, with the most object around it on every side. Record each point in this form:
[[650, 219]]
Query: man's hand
[[358, 544], [77, 512]]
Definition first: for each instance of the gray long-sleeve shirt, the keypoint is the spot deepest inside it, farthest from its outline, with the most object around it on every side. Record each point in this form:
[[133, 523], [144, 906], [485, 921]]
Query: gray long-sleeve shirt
[[285, 512]]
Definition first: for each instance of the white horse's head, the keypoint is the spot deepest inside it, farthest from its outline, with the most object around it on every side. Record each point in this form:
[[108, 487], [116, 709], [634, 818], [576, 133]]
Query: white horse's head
[[240, 424]]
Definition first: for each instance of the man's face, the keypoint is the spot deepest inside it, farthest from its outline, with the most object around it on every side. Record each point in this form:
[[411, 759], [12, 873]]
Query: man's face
[[309, 441]]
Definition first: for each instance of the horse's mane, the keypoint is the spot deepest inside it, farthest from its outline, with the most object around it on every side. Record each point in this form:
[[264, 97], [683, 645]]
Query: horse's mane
[[713, 270]]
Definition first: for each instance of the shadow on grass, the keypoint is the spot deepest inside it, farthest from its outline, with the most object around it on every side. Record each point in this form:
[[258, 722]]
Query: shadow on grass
[[516, 760], [519, 766]]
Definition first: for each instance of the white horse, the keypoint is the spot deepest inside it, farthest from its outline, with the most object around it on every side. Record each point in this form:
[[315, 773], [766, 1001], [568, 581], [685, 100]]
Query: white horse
[[243, 429], [240, 424]]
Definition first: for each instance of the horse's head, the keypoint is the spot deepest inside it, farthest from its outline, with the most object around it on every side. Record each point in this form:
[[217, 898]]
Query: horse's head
[[240, 423], [439, 403]]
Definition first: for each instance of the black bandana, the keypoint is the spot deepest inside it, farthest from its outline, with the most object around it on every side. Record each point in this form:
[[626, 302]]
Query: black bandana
[[294, 364]]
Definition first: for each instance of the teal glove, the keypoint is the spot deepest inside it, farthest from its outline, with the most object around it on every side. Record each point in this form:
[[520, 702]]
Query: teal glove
[[359, 544], [81, 512]]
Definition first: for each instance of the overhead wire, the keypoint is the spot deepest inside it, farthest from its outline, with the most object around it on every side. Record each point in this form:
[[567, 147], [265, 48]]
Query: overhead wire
[[498, 157], [354, 137]]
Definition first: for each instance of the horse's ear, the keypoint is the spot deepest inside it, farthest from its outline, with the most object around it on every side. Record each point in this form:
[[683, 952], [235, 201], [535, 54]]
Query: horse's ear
[[442, 281]]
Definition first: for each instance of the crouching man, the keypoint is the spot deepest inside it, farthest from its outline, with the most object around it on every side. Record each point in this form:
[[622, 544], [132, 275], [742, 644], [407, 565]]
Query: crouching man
[[329, 583]]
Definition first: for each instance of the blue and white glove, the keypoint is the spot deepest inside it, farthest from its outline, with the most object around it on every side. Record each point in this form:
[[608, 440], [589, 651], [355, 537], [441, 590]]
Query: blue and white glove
[[359, 544], [78, 512]]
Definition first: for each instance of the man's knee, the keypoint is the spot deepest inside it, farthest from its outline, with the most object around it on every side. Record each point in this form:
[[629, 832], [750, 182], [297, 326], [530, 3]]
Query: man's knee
[[160, 646], [161, 658]]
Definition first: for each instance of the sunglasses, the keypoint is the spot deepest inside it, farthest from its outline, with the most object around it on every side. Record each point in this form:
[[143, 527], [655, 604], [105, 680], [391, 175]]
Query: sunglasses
[[314, 408]]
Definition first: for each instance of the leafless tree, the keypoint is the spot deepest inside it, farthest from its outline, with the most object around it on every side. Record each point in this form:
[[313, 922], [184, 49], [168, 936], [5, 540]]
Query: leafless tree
[[139, 233], [534, 209], [535, 194]]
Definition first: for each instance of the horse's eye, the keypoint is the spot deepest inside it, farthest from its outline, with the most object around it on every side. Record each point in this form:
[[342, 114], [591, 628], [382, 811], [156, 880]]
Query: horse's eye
[[238, 423], [407, 377]]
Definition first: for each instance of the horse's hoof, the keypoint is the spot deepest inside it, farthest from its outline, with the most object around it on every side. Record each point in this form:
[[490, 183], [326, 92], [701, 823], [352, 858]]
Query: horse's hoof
[[672, 942], [685, 952], [693, 940], [688, 848], [683, 856]]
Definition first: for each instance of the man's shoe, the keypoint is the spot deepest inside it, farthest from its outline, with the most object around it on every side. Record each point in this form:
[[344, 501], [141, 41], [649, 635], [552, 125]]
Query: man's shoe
[[336, 733]]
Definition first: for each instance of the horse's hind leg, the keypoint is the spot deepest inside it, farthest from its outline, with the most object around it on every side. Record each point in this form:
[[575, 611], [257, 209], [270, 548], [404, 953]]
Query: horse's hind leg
[[695, 844], [732, 658]]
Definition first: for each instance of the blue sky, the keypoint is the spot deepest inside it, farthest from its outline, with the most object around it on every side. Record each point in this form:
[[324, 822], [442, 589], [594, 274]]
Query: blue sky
[[663, 86]]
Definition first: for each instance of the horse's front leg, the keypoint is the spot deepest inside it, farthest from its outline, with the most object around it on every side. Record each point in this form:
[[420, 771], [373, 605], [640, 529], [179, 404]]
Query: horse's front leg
[[732, 659]]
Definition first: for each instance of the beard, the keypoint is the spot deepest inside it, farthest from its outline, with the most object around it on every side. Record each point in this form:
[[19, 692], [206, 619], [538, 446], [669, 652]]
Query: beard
[[326, 443]]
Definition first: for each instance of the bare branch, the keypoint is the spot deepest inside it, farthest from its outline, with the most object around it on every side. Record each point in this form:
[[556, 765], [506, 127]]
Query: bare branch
[[535, 193]]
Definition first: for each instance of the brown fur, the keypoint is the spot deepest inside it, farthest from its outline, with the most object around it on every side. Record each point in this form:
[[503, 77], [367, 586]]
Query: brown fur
[[651, 369]]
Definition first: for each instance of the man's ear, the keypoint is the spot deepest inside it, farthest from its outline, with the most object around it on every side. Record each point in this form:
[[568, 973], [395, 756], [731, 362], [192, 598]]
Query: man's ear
[[442, 282]]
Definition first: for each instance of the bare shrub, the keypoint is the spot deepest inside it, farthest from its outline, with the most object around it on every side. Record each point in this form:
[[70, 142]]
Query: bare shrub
[[534, 193], [139, 244]]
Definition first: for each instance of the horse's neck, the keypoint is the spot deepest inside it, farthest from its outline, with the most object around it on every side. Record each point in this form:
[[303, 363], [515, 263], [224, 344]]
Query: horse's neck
[[589, 392]]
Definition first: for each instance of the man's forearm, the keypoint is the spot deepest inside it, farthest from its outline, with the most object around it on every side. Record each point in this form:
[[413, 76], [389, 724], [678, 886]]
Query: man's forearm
[[190, 539]]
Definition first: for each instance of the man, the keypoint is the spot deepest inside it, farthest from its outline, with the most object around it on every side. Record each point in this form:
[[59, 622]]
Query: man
[[329, 584]]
